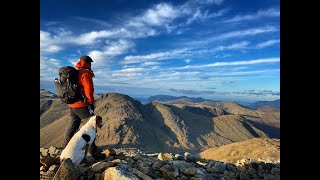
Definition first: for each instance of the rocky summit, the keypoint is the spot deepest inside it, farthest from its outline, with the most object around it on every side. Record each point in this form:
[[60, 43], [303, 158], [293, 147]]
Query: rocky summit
[[132, 163], [180, 139]]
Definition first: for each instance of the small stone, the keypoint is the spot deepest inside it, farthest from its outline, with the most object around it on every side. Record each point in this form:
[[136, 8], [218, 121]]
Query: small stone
[[190, 171], [110, 152], [54, 168]]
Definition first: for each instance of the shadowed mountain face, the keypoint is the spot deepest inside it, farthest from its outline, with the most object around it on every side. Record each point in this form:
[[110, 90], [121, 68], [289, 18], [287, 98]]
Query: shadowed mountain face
[[165, 127], [267, 121], [51, 108]]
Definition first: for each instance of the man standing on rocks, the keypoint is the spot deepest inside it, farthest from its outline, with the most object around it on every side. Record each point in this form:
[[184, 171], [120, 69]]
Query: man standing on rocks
[[81, 110]]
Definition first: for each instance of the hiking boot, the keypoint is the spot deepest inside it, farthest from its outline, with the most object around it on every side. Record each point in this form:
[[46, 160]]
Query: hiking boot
[[94, 149], [99, 156]]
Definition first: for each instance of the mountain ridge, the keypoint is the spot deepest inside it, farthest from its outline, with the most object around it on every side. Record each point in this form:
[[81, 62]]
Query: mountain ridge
[[163, 126]]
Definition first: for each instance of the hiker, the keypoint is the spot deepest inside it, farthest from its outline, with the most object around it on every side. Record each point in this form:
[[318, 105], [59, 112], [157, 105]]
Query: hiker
[[82, 109]]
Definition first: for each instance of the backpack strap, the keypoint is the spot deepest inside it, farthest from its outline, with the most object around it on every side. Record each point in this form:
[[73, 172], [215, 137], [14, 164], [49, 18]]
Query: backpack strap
[[82, 69]]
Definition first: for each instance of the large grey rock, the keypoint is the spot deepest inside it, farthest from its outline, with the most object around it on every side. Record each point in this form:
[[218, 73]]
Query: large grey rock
[[229, 174], [181, 165], [167, 172], [157, 165], [219, 167], [140, 174], [231, 167], [211, 163], [118, 173], [66, 171], [48, 160], [191, 157], [100, 166]]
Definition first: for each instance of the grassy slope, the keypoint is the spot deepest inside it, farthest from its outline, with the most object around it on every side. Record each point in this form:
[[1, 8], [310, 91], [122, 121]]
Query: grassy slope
[[253, 148]]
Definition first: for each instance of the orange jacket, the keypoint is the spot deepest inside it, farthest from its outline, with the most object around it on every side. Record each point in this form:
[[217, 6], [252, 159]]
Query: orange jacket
[[85, 84]]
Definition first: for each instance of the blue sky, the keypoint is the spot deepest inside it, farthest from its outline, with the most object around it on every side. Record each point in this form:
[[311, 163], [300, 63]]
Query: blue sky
[[214, 49]]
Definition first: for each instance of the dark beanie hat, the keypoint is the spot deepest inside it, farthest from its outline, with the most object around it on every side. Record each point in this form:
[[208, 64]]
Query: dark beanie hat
[[86, 58]]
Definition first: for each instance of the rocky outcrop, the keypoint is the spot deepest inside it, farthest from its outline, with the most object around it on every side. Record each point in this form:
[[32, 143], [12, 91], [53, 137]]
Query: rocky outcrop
[[131, 163]]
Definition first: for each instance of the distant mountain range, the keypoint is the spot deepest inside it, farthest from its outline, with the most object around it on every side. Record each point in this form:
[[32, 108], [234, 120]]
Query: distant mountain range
[[167, 98], [182, 124], [184, 99], [260, 104]]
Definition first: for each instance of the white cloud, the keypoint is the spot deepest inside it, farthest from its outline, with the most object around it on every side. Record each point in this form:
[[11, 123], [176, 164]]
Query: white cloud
[[94, 36], [249, 62], [48, 44], [161, 14], [176, 74], [113, 49], [180, 53], [127, 66], [268, 43], [206, 2], [195, 16], [97, 56], [154, 56], [247, 32], [260, 14], [265, 71], [157, 16], [49, 68], [233, 63], [187, 60], [155, 67], [235, 34], [128, 73], [54, 43], [131, 70], [95, 21], [218, 2], [90, 37], [150, 63], [142, 25], [199, 15], [234, 46], [222, 56], [118, 48], [127, 76]]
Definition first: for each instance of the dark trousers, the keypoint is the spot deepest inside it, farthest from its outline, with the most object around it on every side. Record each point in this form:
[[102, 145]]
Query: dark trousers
[[76, 115]]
